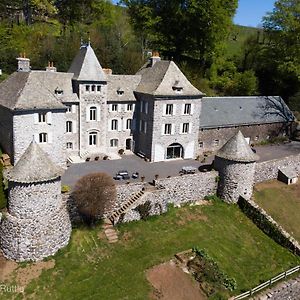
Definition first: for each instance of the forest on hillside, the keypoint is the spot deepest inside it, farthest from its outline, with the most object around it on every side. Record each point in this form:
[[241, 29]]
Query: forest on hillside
[[217, 56]]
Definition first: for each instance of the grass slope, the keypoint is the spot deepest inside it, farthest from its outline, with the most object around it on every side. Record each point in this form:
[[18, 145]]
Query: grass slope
[[282, 202], [90, 268]]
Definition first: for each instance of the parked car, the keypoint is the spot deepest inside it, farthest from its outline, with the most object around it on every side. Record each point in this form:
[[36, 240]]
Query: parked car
[[123, 174]]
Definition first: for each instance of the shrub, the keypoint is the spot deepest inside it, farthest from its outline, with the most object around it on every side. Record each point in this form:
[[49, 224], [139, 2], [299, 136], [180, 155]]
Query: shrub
[[65, 189], [94, 195]]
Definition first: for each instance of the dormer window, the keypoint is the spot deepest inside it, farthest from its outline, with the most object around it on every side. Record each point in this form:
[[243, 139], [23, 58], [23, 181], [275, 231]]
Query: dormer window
[[177, 87], [120, 91], [58, 91]]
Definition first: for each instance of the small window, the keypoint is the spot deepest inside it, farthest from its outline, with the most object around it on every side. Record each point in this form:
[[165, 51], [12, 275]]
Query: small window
[[168, 129], [43, 137], [185, 127], [93, 88], [69, 126], [42, 117], [114, 143], [58, 92], [128, 123], [93, 138], [169, 109], [69, 108], [216, 142], [120, 92], [129, 107], [201, 144], [114, 107], [187, 109], [114, 124], [87, 88], [69, 145], [98, 88], [256, 138], [93, 113]]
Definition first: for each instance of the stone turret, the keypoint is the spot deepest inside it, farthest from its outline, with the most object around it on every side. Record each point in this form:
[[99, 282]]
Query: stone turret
[[37, 223], [235, 162]]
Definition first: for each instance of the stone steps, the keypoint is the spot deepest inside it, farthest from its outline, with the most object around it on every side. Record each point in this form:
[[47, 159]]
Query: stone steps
[[110, 232]]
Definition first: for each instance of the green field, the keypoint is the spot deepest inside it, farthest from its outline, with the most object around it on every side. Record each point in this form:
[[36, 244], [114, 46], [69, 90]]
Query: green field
[[90, 268], [282, 202]]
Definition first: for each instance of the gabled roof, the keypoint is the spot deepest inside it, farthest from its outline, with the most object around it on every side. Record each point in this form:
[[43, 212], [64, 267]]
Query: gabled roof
[[124, 83], [33, 166], [34, 90], [289, 171], [163, 78], [237, 149], [86, 66], [226, 111]]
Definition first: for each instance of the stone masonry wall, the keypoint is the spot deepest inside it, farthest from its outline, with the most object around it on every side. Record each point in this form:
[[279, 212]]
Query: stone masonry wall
[[6, 131], [269, 169]]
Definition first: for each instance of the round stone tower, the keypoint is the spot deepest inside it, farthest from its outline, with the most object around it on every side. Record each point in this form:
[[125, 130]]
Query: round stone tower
[[37, 222], [235, 162]]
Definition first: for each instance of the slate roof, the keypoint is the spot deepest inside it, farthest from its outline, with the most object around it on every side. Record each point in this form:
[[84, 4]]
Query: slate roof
[[226, 111], [86, 66], [33, 166], [36, 90], [160, 79], [125, 83], [289, 171], [237, 149]]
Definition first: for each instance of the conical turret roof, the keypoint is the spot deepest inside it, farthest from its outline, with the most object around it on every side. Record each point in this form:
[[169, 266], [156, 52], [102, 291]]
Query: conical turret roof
[[34, 166], [237, 149], [86, 66]]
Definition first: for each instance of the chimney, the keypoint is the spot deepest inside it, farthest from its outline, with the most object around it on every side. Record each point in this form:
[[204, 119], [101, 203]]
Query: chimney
[[23, 63], [154, 58], [107, 71], [51, 67]]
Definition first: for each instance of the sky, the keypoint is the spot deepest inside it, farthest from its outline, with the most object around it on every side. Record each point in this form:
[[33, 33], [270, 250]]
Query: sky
[[250, 12]]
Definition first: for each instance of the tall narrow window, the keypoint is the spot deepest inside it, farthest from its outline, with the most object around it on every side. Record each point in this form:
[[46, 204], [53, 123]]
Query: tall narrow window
[[128, 123], [93, 113], [168, 129], [69, 145], [69, 108], [69, 126], [87, 88], [187, 109], [93, 138], [42, 117], [114, 107], [185, 127], [43, 137], [129, 107], [114, 142], [98, 88], [114, 124], [169, 109], [93, 88]]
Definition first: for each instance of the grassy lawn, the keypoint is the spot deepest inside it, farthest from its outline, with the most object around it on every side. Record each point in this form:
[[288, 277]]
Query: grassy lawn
[[282, 202], [90, 268]]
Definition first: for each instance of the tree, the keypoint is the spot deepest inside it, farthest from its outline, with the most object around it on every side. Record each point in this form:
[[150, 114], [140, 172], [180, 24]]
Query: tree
[[94, 194], [181, 28]]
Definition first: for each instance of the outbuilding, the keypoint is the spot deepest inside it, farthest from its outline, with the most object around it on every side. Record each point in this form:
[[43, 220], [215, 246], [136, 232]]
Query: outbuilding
[[288, 175]]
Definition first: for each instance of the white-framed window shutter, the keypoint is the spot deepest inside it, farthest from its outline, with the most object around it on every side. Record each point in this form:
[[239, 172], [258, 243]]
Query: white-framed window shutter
[[163, 129], [73, 108], [98, 114], [164, 109], [172, 128], [119, 125], [124, 124], [49, 117], [181, 127], [50, 138], [36, 118], [190, 127], [119, 107], [192, 108], [182, 108], [174, 109], [74, 127]]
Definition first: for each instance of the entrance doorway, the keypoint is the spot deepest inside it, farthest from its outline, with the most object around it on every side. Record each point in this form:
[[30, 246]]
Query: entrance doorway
[[128, 144], [174, 151]]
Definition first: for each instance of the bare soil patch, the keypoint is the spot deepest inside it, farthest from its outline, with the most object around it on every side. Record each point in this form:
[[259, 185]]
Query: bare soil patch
[[171, 283], [7, 267]]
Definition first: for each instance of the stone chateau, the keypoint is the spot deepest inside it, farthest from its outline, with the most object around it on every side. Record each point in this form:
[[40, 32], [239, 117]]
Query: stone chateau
[[88, 112]]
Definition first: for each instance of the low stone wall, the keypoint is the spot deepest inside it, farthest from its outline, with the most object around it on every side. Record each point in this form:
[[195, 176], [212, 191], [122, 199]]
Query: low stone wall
[[268, 170], [269, 226]]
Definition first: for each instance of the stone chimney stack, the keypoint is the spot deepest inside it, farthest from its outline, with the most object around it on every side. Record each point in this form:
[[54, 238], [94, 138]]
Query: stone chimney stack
[[154, 58], [23, 63], [51, 67]]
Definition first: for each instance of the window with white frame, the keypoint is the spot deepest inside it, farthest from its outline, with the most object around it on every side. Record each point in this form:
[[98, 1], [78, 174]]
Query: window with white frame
[[128, 123], [69, 108], [93, 138], [93, 88], [42, 117], [69, 126], [114, 124], [187, 109], [169, 110], [201, 145], [129, 107], [168, 129], [87, 88], [114, 107], [43, 138], [185, 128], [69, 145], [216, 142], [98, 88], [114, 142], [93, 113]]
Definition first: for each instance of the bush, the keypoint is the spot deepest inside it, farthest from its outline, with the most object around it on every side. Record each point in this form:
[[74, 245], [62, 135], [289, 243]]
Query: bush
[[65, 189], [94, 195]]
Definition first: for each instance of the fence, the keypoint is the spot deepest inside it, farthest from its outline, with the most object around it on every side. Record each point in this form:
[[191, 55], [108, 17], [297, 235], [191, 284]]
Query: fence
[[266, 284]]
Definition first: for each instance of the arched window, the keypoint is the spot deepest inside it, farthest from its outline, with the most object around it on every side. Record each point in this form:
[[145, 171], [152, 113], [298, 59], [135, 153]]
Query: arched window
[[128, 123], [93, 113], [93, 138], [114, 142], [114, 124], [43, 137], [69, 126]]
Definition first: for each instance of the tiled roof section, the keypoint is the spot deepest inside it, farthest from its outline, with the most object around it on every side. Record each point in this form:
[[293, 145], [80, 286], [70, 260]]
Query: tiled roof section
[[163, 79], [237, 149], [226, 111], [289, 172], [121, 87], [33, 166], [35, 90], [86, 66]]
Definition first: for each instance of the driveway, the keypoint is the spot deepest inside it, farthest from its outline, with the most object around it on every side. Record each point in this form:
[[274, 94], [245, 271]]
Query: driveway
[[133, 163]]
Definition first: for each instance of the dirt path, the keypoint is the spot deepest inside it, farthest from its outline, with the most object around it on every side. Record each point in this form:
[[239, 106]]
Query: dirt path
[[171, 283]]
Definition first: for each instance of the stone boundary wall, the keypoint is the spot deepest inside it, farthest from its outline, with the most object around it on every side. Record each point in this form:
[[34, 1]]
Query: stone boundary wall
[[268, 170], [268, 225]]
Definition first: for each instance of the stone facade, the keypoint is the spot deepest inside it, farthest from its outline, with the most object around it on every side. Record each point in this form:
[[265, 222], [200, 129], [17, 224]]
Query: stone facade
[[6, 130]]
